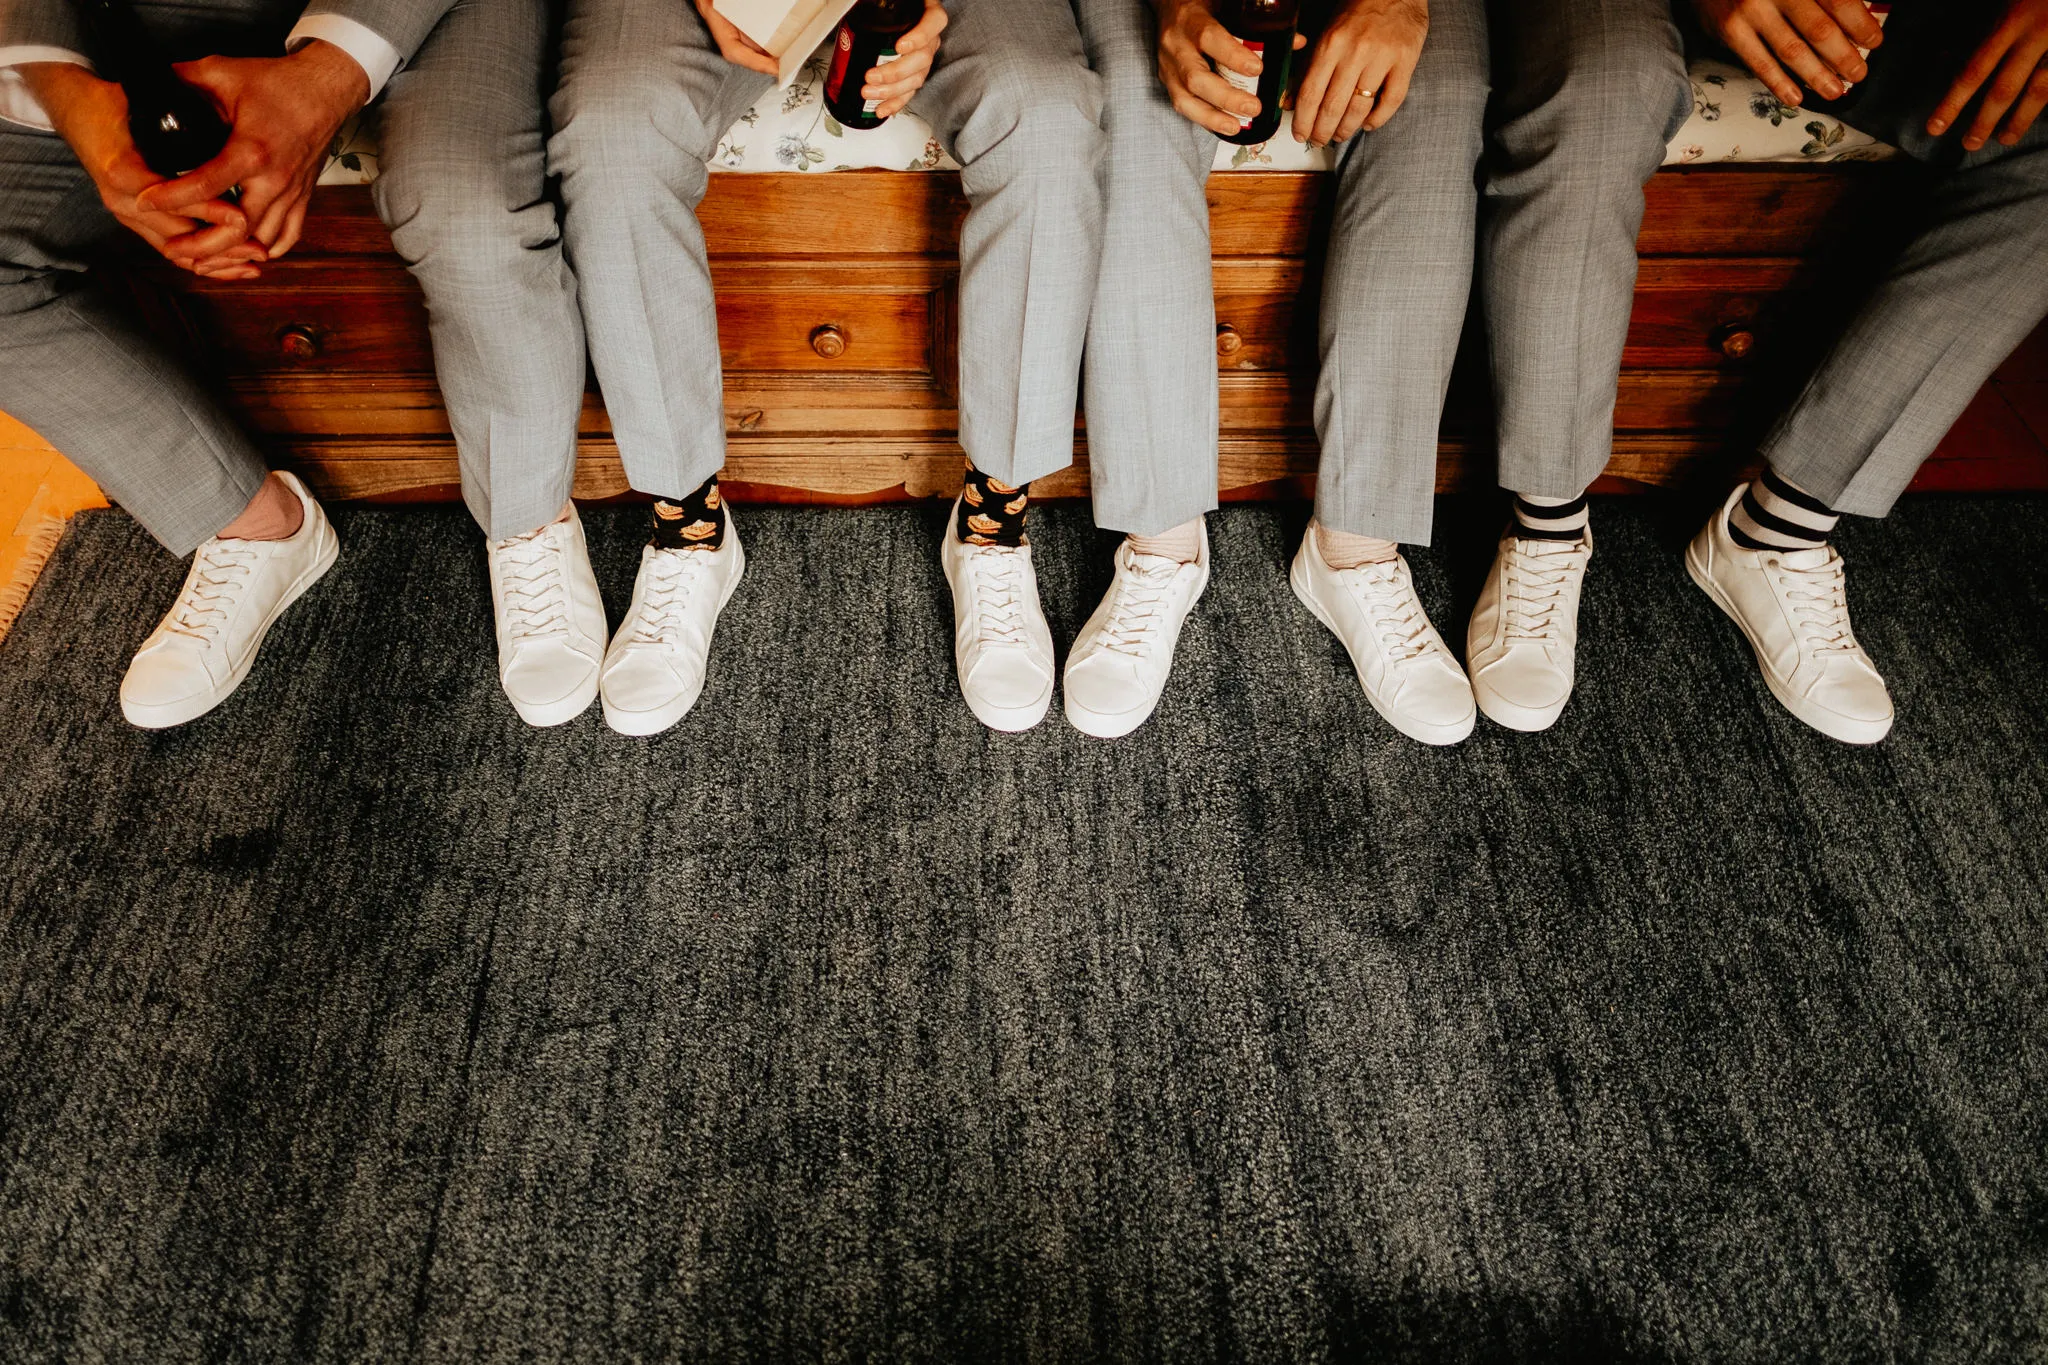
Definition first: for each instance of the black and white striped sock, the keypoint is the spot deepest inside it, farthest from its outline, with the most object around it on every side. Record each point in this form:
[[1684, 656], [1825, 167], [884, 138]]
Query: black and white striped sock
[[1776, 515], [1550, 518]]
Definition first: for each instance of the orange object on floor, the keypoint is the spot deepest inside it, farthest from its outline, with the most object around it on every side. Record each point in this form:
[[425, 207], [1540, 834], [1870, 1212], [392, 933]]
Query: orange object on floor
[[39, 490]]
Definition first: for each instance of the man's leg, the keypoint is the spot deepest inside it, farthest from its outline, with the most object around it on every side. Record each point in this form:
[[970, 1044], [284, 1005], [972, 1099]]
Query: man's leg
[[84, 375], [643, 98], [464, 191], [1398, 275], [1948, 311], [1014, 98], [1150, 375], [1587, 93], [1151, 358], [95, 386]]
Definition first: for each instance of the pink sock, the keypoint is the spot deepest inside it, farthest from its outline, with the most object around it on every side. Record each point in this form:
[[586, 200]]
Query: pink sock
[[1342, 550], [1182, 544]]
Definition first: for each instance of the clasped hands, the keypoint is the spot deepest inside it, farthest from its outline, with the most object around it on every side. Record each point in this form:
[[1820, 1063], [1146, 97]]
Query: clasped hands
[[282, 113], [1818, 41]]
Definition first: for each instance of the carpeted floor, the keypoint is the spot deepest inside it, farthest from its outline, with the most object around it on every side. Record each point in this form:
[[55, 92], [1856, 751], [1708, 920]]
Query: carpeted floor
[[358, 1022]]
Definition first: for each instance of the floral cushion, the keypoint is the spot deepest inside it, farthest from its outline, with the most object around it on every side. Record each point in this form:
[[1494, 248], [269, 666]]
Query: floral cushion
[[1734, 118]]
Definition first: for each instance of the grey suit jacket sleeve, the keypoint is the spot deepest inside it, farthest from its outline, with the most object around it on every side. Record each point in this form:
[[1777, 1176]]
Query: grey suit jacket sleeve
[[404, 24], [41, 23]]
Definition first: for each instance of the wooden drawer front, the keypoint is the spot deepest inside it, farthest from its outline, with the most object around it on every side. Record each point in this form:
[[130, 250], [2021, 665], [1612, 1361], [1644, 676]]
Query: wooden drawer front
[[264, 328], [852, 317], [822, 334], [1265, 316], [1706, 314]]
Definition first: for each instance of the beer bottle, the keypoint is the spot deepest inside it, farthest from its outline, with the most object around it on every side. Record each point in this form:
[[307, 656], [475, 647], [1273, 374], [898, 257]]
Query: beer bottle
[[174, 124], [1267, 28], [866, 39]]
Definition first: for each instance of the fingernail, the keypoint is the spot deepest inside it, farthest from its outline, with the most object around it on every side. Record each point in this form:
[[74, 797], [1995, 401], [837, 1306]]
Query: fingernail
[[1973, 143], [1937, 126]]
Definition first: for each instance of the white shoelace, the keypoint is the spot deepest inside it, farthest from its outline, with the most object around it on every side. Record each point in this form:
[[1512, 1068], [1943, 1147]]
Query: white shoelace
[[1137, 610], [536, 598], [220, 572], [1818, 595], [1391, 609], [998, 573], [673, 578], [1537, 573]]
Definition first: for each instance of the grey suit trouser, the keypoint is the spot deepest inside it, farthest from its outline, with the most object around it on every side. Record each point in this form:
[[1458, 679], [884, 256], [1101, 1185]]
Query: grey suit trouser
[[1968, 289], [463, 189], [1528, 132], [643, 99]]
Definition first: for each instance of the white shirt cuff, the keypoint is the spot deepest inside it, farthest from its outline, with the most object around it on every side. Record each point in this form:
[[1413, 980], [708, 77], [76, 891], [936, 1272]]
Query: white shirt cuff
[[17, 105], [371, 50]]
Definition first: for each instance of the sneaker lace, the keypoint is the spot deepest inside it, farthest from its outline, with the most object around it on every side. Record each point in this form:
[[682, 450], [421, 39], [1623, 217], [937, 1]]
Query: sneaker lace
[[1818, 595], [673, 578], [998, 594], [1137, 608], [535, 594], [221, 570], [1391, 609], [1536, 574]]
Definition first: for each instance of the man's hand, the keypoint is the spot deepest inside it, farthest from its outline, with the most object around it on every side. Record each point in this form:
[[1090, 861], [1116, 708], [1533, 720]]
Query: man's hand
[[2014, 51], [283, 113], [735, 46], [209, 238], [1359, 74], [1816, 38], [1190, 38], [895, 81]]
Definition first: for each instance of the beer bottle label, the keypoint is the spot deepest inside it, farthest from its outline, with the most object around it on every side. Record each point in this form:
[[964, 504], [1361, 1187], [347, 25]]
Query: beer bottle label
[[1238, 80], [842, 56], [881, 59]]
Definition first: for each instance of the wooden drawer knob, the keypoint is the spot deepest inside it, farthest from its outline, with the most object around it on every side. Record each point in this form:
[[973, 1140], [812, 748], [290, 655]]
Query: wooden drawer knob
[[1734, 340], [1229, 341], [298, 343], [828, 341]]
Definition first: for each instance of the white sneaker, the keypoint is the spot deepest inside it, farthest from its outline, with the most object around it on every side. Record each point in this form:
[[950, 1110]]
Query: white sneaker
[[1793, 606], [203, 648], [1407, 672], [550, 621], [1520, 644], [1001, 646], [1120, 661], [654, 670]]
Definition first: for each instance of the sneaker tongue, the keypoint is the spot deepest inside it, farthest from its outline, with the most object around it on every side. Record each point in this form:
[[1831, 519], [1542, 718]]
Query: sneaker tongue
[[1805, 559]]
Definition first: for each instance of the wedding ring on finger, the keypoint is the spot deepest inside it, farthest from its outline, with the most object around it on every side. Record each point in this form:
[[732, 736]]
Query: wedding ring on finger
[[1362, 94]]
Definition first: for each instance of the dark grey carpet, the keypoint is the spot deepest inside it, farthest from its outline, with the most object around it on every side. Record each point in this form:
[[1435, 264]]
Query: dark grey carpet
[[359, 1022]]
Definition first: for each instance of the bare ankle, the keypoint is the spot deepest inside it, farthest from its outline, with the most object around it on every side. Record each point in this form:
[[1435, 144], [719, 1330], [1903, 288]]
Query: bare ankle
[[275, 513]]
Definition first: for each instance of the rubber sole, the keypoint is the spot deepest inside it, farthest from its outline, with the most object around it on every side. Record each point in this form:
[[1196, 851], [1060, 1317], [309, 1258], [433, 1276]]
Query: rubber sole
[[641, 724], [146, 717], [1453, 733], [1829, 723]]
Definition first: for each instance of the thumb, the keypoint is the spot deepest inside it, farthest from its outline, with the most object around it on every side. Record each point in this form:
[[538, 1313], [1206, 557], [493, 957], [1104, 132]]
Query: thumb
[[236, 163]]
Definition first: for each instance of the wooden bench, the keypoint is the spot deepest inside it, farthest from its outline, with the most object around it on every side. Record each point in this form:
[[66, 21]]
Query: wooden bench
[[837, 297]]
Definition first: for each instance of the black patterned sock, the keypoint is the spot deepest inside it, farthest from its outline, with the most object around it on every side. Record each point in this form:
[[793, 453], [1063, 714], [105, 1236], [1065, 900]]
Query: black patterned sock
[[696, 522], [991, 511]]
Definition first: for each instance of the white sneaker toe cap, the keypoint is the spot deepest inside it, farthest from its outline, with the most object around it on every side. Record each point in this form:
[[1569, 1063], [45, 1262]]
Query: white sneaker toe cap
[[550, 683], [1008, 689], [1106, 697], [1434, 705], [645, 694], [1522, 693]]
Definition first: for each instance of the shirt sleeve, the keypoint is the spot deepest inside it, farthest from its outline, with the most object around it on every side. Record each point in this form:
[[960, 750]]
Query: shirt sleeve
[[17, 105], [370, 49]]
